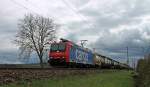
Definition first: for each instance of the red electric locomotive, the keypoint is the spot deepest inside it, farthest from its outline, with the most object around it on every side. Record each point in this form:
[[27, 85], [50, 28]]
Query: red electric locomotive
[[66, 53], [59, 53]]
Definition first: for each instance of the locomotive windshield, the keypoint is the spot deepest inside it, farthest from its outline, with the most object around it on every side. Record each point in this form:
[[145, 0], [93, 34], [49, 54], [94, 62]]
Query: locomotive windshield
[[58, 47]]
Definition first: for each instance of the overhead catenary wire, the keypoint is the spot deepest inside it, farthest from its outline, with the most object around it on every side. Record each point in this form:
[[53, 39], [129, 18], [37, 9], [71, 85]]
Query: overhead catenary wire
[[73, 9], [123, 50], [33, 5], [15, 2], [65, 2]]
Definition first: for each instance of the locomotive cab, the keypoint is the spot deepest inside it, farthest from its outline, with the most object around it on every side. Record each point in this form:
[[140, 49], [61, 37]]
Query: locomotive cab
[[59, 52]]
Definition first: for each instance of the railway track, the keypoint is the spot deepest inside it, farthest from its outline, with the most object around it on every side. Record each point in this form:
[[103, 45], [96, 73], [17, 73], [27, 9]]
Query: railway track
[[37, 67], [49, 68]]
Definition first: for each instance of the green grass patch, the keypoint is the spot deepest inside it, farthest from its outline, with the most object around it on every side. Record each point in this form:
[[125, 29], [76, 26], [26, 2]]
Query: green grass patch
[[102, 79]]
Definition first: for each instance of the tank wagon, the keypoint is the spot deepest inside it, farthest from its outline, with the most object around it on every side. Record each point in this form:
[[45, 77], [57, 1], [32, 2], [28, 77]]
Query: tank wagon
[[67, 53]]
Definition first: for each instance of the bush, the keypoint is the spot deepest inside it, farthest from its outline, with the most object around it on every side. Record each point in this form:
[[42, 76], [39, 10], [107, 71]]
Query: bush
[[143, 69]]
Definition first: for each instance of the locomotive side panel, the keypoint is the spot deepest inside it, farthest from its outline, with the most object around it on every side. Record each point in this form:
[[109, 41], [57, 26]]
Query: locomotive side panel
[[78, 55]]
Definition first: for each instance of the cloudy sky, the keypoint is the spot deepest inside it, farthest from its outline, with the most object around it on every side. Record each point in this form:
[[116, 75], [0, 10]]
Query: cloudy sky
[[109, 25]]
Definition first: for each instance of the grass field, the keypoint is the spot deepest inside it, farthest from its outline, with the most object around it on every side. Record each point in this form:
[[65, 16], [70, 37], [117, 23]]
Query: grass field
[[102, 79]]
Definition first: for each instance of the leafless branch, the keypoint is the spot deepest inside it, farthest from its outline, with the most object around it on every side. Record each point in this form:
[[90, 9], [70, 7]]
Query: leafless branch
[[34, 32]]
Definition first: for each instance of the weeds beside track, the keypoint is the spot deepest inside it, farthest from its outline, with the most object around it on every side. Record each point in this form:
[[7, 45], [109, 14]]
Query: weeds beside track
[[11, 75], [102, 78]]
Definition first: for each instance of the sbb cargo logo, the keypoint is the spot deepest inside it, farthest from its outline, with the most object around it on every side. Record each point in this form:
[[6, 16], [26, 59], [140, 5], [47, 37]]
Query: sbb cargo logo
[[81, 56]]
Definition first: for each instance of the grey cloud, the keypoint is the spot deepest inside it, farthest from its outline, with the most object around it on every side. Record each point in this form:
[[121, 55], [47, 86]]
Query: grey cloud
[[122, 13], [114, 17], [79, 3], [7, 57], [117, 43]]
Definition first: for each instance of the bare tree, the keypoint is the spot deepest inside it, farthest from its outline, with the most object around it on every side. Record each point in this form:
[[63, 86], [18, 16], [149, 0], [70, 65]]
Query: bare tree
[[34, 33]]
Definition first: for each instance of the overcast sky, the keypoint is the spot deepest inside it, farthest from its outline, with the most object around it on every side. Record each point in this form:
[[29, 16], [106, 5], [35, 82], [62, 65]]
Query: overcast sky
[[108, 25]]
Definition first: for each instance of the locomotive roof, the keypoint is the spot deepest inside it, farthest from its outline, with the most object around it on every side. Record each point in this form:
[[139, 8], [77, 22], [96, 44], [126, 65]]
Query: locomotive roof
[[78, 46]]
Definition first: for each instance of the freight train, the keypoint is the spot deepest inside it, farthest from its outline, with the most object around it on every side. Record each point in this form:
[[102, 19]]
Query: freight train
[[67, 53]]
